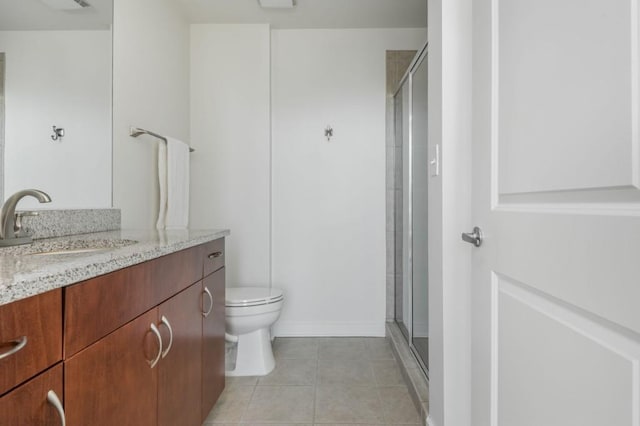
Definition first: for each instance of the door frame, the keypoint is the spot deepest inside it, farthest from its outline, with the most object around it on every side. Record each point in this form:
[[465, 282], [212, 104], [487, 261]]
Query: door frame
[[449, 32]]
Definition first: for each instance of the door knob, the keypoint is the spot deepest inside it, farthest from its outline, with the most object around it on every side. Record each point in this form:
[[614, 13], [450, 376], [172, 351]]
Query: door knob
[[474, 237]]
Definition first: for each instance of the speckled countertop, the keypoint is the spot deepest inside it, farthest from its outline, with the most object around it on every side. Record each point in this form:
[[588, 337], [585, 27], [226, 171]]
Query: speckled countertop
[[24, 273]]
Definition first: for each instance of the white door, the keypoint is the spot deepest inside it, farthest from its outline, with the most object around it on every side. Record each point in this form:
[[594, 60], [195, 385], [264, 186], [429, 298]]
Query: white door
[[556, 283]]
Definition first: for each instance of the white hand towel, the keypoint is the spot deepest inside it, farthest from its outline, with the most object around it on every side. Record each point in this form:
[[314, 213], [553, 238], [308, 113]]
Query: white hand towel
[[162, 181], [173, 174]]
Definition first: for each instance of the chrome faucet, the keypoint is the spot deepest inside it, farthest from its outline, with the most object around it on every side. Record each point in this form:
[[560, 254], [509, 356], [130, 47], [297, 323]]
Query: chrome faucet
[[10, 223]]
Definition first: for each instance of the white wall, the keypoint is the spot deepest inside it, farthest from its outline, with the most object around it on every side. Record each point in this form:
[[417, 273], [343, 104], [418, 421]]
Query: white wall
[[230, 128], [450, 275], [150, 90], [329, 197], [60, 78]]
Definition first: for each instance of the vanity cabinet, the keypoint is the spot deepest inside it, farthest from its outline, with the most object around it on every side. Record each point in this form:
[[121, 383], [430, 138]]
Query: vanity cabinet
[[151, 369], [143, 345]]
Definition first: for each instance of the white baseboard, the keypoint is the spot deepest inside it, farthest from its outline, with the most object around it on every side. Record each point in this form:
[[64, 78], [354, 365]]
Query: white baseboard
[[329, 328]]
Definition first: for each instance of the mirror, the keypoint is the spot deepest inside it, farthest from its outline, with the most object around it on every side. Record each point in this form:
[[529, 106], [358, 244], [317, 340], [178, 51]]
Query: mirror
[[56, 70]]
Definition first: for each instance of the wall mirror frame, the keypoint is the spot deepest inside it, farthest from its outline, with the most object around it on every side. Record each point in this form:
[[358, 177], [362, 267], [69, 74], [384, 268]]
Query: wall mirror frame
[[57, 70], [1, 126]]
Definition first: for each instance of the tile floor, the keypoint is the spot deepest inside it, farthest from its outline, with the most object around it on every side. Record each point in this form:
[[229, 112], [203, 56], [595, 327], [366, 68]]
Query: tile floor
[[321, 381]]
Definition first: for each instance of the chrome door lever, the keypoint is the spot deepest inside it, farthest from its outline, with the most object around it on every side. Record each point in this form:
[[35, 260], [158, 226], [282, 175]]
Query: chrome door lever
[[474, 237]]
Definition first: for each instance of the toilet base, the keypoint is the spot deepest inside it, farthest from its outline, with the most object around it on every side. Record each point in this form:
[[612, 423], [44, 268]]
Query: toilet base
[[254, 354]]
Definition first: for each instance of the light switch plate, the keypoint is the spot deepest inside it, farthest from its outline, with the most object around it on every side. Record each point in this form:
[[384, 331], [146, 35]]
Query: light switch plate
[[434, 162]]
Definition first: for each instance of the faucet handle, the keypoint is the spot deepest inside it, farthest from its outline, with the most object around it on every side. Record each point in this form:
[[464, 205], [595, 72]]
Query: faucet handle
[[17, 227]]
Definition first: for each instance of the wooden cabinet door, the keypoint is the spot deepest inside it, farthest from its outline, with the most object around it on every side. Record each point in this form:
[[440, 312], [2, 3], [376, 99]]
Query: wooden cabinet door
[[27, 405], [111, 382], [180, 369], [30, 337], [213, 341]]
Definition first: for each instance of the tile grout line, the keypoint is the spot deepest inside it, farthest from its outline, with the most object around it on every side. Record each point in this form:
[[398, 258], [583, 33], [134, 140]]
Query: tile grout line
[[377, 386], [315, 384], [246, 407], [384, 414]]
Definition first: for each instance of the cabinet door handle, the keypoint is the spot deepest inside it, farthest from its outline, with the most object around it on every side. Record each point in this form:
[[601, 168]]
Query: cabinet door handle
[[155, 331], [215, 254], [206, 314], [17, 345], [53, 399], [165, 321]]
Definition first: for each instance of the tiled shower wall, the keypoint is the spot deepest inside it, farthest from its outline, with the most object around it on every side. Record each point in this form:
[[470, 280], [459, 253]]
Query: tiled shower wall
[[398, 62]]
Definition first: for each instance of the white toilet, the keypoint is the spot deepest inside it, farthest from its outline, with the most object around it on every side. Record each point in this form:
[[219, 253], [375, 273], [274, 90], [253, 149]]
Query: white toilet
[[250, 313]]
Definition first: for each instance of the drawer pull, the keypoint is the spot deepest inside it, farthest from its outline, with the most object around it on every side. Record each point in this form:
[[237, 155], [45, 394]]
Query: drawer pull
[[215, 255], [165, 321], [155, 331], [17, 344], [55, 401], [206, 314]]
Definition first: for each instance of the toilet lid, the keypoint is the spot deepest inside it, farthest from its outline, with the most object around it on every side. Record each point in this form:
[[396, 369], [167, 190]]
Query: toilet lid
[[252, 296]]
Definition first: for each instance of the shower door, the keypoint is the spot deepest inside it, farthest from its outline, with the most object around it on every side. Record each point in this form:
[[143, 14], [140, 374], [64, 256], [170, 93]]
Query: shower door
[[419, 212], [411, 210], [402, 116]]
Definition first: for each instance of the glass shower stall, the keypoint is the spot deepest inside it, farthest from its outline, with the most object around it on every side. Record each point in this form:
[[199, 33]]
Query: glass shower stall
[[411, 209]]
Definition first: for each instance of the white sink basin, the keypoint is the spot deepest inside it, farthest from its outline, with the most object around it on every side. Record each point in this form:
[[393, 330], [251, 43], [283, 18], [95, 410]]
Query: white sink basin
[[56, 248], [68, 251]]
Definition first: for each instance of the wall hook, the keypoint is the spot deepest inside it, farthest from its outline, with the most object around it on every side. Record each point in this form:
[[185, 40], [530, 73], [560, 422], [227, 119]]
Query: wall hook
[[328, 133], [58, 133]]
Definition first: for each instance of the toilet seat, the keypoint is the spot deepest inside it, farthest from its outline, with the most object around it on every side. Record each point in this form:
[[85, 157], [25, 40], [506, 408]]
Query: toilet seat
[[252, 296]]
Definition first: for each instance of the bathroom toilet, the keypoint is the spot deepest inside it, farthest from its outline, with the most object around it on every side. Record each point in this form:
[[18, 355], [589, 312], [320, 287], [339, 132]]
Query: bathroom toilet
[[250, 313]]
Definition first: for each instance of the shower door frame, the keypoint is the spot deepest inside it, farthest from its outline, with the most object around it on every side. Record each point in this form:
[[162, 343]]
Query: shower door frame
[[406, 326], [421, 56]]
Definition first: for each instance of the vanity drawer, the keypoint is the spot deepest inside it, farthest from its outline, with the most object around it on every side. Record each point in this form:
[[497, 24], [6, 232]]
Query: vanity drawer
[[96, 307], [173, 273], [213, 255], [30, 337]]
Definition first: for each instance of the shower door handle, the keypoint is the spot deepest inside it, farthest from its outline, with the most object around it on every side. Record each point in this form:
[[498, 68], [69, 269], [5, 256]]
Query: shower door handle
[[474, 237]]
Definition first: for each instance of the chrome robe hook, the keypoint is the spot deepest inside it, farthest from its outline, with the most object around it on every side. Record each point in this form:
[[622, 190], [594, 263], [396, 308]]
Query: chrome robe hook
[[328, 133], [58, 133]]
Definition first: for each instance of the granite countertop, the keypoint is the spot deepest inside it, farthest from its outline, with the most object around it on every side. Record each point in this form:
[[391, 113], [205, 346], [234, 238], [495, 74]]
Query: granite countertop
[[23, 273]]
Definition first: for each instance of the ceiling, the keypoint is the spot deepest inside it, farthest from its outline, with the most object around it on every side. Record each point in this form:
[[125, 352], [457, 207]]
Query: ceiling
[[35, 15], [312, 13]]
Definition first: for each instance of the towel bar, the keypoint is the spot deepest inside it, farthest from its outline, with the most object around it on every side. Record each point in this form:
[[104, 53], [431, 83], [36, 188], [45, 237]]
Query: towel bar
[[136, 131]]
